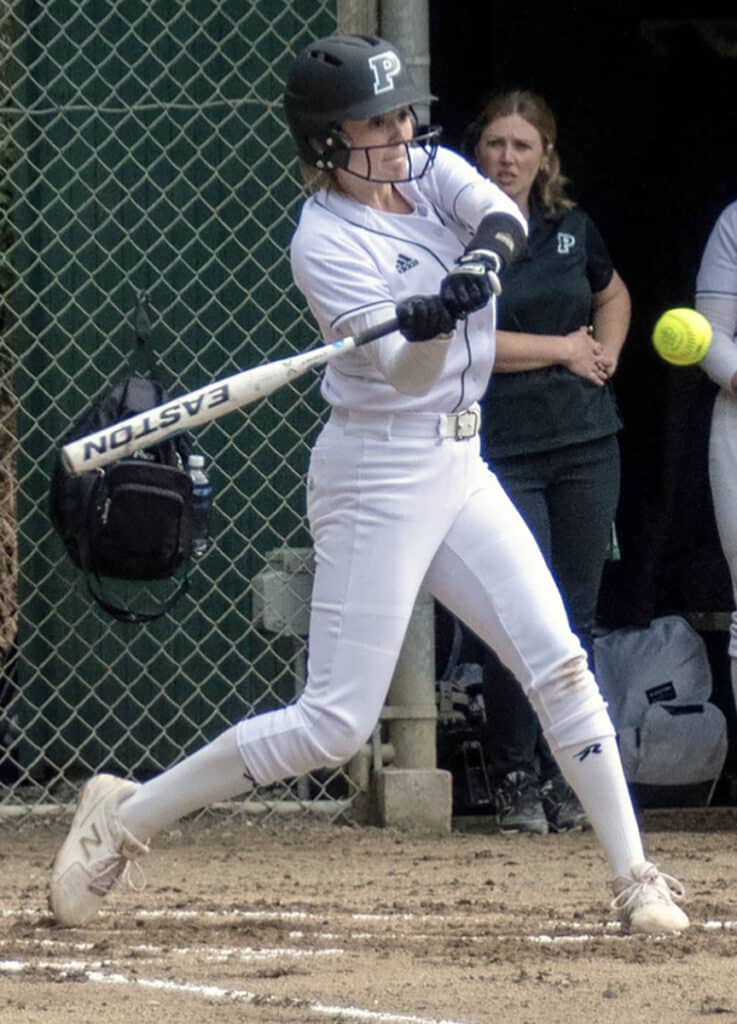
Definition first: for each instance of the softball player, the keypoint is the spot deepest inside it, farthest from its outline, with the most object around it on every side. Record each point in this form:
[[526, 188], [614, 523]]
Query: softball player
[[398, 496], [716, 298]]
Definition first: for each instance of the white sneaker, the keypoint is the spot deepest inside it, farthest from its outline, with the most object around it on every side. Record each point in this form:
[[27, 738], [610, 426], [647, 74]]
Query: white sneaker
[[645, 902], [95, 853]]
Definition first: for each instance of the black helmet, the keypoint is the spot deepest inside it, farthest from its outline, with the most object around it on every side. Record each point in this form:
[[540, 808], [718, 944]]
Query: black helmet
[[341, 78]]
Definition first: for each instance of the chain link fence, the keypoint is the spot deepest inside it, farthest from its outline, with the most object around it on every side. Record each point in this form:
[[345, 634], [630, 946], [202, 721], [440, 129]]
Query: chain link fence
[[142, 147]]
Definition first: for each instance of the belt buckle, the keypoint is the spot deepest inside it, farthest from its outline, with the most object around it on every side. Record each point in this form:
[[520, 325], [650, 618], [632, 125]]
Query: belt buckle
[[467, 424]]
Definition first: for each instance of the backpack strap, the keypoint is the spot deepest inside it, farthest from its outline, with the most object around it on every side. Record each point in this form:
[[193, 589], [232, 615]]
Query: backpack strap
[[127, 614], [82, 535], [142, 360]]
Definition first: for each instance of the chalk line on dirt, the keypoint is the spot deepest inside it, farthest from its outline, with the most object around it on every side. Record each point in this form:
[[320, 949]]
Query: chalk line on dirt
[[95, 973]]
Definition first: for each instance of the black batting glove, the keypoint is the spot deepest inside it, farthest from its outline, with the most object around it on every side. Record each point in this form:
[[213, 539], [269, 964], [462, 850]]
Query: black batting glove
[[471, 283], [424, 317]]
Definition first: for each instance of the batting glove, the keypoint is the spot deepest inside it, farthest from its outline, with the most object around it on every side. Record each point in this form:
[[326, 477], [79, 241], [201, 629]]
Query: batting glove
[[472, 282], [424, 317]]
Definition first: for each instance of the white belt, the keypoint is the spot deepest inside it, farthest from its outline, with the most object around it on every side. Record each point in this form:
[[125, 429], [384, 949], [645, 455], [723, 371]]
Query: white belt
[[453, 426]]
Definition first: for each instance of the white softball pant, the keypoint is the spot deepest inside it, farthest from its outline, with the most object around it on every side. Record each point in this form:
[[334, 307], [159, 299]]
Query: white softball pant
[[392, 507], [723, 481]]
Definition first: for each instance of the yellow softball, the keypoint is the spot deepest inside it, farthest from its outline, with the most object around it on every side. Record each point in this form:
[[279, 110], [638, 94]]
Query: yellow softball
[[682, 336]]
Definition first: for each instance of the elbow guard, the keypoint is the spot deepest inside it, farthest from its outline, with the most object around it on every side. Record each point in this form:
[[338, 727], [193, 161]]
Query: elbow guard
[[502, 234]]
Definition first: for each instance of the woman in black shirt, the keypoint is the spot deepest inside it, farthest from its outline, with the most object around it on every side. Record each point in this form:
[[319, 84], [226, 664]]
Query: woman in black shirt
[[550, 431]]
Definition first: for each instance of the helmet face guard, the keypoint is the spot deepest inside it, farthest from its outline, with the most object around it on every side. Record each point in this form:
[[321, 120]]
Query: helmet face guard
[[339, 150], [349, 78]]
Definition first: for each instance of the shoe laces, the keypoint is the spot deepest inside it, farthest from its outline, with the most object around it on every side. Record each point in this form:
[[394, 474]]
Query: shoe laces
[[518, 793], [123, 864], [650, 883], [557, 789], [516, 784], [560, 796]]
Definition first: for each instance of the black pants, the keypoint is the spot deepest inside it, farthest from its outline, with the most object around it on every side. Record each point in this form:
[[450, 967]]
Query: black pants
[[568, 498]]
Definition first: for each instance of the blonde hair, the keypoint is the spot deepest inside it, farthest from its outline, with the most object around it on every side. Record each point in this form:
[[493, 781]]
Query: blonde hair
[[549, 187], [313, 178]]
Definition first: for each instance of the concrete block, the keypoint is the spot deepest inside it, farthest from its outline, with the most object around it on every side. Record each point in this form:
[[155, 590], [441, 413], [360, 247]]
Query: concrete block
[[282, 591], [415, 800]]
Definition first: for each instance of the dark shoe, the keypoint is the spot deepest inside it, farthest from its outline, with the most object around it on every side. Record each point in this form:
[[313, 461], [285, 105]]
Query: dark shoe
[[518, 805], [561, 805]]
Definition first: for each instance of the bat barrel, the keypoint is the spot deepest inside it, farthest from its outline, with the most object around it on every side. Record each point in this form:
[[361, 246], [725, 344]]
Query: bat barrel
[[148, 428], [122, 439]]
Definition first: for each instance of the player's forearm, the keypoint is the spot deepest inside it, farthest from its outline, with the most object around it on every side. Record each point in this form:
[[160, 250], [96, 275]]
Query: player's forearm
[[720, 362], [517, 352], [611, 318], [411, 368]]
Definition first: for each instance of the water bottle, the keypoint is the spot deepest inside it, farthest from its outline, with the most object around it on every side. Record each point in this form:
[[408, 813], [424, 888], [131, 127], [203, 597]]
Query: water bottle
[[201, 502]]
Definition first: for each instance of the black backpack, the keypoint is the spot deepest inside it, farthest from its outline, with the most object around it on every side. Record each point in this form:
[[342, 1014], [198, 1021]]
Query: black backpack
[[131, 520]]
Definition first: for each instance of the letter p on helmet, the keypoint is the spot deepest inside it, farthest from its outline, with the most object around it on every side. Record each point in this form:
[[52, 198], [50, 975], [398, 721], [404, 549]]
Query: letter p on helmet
[[385, 67]]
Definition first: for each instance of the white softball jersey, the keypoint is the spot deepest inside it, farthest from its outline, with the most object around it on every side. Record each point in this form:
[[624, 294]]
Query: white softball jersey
[[716, 298], [354, 263]]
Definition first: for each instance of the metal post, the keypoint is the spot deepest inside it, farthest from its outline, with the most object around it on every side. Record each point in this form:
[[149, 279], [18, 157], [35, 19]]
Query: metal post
[[406, 24], [359, 17], [300, 678], [411, 710], [412, 793]]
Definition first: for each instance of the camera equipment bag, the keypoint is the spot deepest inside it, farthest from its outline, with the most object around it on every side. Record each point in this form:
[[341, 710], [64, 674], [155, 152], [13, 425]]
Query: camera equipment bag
[[131, 520]]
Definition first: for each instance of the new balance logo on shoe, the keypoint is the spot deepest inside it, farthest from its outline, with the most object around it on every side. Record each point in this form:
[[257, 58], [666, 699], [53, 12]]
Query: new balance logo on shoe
[[593, 748], [405, 263], [90, 841]]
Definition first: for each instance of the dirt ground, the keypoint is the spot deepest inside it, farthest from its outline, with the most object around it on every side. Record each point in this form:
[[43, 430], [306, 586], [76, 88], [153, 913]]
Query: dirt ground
[[302, 921]]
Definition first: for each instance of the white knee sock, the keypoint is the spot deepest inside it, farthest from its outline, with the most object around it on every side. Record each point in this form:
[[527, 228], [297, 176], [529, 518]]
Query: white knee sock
[[733, 673], [216, 772], [581, 735], [594, 771]]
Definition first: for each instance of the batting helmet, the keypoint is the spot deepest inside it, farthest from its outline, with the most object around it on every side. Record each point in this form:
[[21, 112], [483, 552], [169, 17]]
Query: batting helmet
[[342, 78]]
